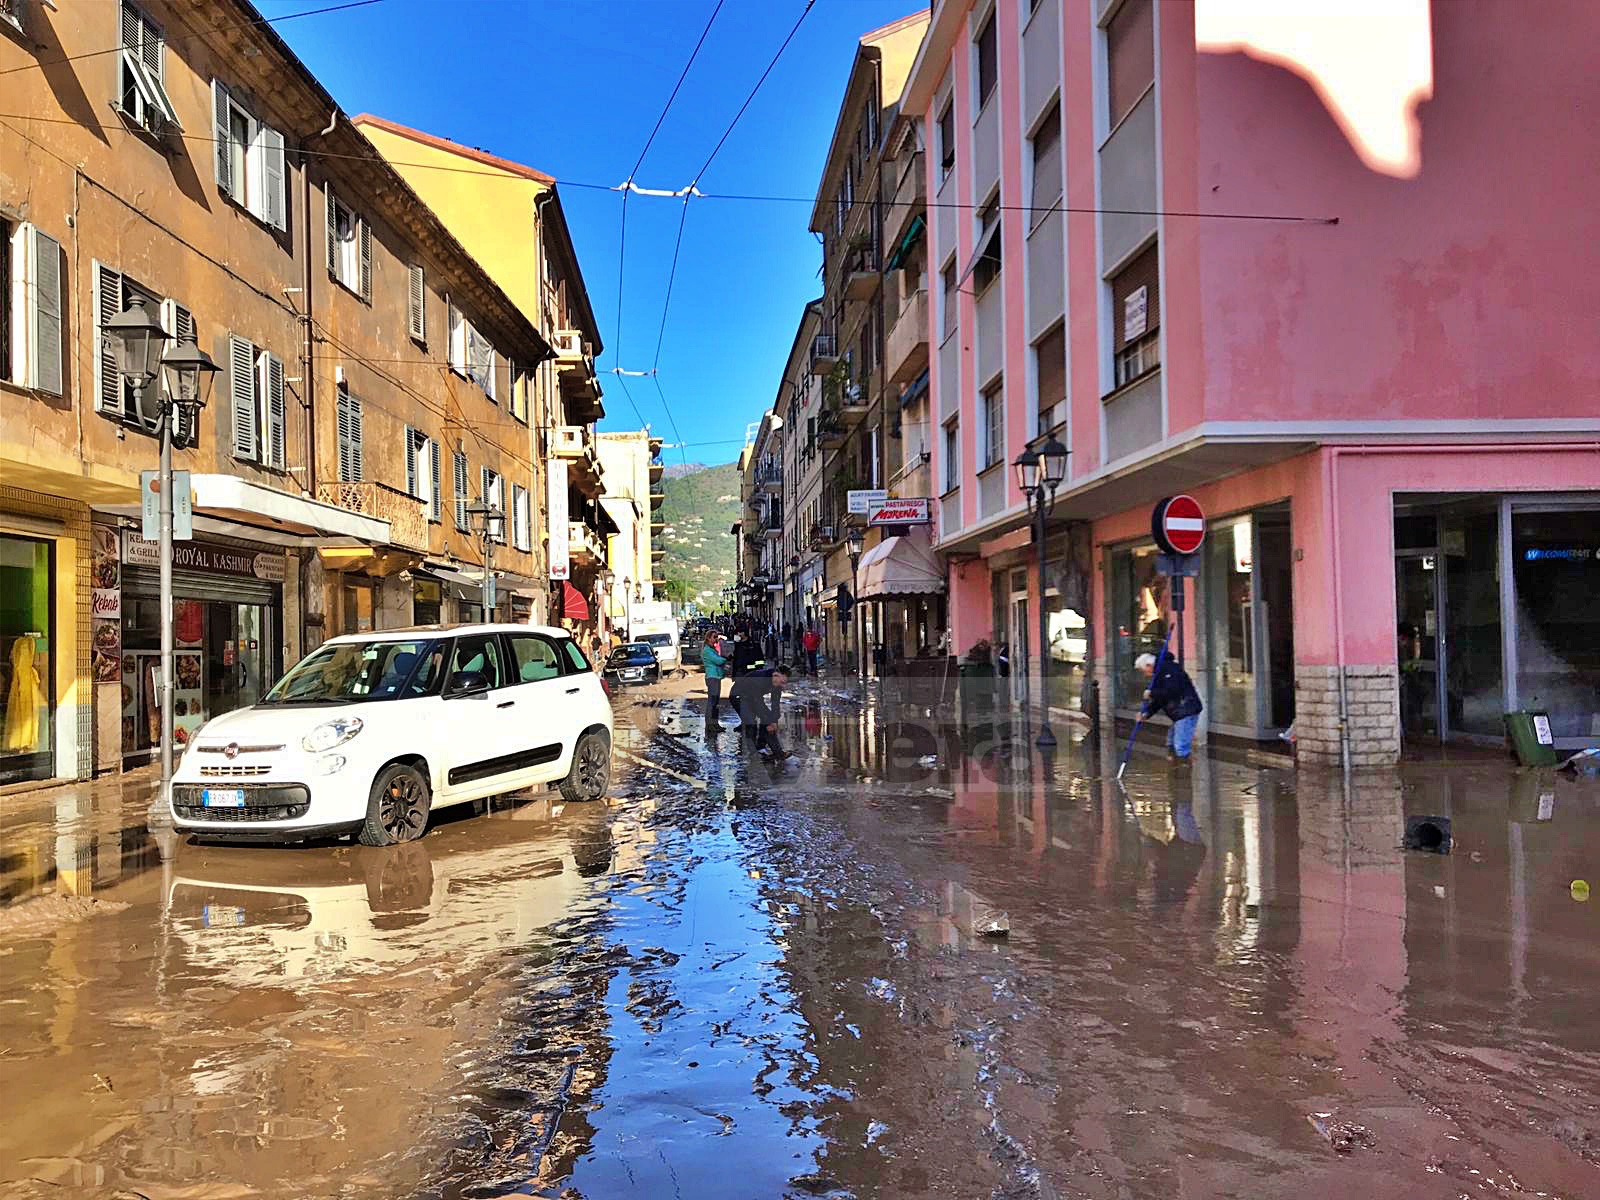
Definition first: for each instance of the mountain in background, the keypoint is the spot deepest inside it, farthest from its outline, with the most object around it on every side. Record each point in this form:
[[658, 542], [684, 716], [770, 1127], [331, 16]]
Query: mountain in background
[[678, 470], [699, 509]]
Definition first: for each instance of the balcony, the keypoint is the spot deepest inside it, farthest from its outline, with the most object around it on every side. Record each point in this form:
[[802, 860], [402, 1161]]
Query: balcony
[[587, 548], [861, 274], [824, 354], [822, 537], [657, 469], [910, 198], [658, 523], [831, 431], [574, 445], [657, 553], [905, 353], [770, 479], [575, 371], [407, 516], [658, 496]]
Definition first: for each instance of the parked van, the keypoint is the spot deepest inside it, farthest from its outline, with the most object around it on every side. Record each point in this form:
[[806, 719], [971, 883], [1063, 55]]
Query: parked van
[[654, 624]]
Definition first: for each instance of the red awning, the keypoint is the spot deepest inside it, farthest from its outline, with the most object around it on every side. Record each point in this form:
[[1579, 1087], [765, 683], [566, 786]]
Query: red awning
[[573, 605]]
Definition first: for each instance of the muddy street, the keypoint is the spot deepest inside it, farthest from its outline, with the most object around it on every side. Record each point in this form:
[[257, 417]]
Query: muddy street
[[917, 959]]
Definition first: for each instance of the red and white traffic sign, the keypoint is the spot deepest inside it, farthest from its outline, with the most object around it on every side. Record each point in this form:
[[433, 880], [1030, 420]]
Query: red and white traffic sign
[[1178, 525]]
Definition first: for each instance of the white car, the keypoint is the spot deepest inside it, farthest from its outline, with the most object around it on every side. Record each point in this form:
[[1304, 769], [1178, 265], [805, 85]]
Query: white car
[[371, 732]]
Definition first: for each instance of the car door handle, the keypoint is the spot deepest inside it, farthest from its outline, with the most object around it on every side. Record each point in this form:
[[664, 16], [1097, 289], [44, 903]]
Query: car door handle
[[505, 704], [572, 691]]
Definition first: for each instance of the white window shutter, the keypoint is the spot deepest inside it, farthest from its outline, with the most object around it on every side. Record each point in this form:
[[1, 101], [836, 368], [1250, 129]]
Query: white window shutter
[[130, 27], [411, 462], [107, 286], [333, 230], [435, 501], [364, 232], [242, 392], [43, 311], [417, 313], [222, 131], [274, 188], [277, 414]]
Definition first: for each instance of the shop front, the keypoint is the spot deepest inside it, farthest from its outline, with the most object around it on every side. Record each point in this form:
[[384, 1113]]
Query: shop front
[[28, 684], [227, 630]]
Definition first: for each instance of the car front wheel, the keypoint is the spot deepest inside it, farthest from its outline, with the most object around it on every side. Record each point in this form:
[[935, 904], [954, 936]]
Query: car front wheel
[[591, 769], [397, 809]]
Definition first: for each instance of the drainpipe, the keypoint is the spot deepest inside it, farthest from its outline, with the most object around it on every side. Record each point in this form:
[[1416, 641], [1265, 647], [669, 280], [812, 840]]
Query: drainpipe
[[541, 451], [1335, 453], [308, 378]]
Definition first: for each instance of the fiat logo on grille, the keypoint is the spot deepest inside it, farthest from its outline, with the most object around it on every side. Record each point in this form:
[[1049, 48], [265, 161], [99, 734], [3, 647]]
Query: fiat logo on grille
[[231, 750]]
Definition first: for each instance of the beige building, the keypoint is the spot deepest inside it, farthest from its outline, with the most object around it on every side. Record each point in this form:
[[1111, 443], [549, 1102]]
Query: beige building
[[201, 171], [633, 497]]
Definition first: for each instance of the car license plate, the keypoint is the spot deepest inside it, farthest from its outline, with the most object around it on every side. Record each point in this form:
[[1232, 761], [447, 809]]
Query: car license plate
[[221, 916], [632, 674], [221, 797]]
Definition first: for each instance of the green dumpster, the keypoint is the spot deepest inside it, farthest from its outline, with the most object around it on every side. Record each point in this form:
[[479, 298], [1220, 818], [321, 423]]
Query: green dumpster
[[1531, 738]]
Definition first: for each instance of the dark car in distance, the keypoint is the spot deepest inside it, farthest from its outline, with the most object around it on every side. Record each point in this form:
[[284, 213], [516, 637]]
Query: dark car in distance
[[633, 662]]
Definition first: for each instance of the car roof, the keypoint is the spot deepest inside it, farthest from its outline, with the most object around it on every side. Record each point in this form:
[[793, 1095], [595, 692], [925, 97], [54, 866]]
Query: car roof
[[444, 631]]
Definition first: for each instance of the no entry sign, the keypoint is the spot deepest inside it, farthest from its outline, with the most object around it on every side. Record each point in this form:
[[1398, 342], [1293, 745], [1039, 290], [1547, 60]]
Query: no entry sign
[[1178, 525]]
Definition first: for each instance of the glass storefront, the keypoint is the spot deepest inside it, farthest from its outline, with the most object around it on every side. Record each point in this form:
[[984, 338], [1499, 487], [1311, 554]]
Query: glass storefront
[[1555, 559], [1138, 618], [1246, 618], [27, 662]]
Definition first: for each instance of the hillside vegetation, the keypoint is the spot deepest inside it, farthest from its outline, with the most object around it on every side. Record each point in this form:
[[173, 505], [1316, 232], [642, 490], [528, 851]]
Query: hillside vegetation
[[700, 507]]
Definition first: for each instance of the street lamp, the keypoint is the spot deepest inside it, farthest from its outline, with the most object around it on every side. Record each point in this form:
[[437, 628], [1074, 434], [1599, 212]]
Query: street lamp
[[138, 338], [488, 521], [1039, 473], [856, 540]]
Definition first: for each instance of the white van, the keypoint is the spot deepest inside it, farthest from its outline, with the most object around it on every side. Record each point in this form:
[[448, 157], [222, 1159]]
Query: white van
[[652, 621]]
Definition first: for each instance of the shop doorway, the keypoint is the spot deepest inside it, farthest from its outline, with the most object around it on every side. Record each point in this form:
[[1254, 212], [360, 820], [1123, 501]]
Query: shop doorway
[[1247, 622], [1017, 633], [1418, 601]]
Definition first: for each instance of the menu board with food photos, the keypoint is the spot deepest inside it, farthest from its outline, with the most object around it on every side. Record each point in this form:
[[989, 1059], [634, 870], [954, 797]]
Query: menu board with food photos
[[141, 698]]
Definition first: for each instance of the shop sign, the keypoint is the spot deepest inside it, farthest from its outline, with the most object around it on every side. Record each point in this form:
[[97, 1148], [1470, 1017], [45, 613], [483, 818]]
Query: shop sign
[[560, 546], [182, 505], [918, 510], [106, 599], [860, 500], [206, 558]]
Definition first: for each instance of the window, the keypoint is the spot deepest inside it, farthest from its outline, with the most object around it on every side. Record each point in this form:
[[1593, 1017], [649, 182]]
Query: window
[[30, 310], [950, 463], [577, 664], [462, 497], [352, 467], [870, 120], [947, 284], [349, 247], [114, 396], [994, 426], [947, 139], [422, 471], [1130, 58], [255, 389], [141, 92], [1050, 376], [986, 50], [11, 14], [521, 381], [249, 160], [416, 306], [479, 655], [986, 267], [1046, 143], [1136, 316], [521, 526], [471, 355], [494, 496], [535, 658]]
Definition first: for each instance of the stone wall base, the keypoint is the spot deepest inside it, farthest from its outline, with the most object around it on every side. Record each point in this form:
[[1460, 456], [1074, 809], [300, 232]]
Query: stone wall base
[[1372, 694]]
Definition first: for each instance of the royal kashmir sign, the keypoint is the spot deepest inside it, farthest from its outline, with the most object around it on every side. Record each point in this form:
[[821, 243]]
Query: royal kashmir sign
[[204, 557], [917, 510]]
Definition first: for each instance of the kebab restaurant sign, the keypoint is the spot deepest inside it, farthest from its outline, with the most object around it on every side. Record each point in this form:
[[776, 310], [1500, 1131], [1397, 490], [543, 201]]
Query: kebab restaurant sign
[[205, 558]]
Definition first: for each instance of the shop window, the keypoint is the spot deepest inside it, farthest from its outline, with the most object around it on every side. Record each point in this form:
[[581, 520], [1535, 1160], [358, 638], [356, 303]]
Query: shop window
[[1554, 567], [27, 679], [358, 603], [1137, 618], [1130, 57], [349, 246], [1136, 317]]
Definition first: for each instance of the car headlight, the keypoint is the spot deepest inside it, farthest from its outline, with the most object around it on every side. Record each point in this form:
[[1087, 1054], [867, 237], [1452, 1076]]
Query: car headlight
[[330, 734]]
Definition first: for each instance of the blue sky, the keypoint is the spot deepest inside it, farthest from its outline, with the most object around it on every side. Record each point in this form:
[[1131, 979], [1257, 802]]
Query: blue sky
[[572, 87]]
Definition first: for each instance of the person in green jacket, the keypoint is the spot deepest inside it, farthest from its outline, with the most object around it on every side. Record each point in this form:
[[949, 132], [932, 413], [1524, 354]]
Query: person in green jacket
[[716, 667]]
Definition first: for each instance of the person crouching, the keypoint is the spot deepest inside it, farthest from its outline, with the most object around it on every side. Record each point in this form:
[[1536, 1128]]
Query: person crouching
[[757, 695], [1172, 692]]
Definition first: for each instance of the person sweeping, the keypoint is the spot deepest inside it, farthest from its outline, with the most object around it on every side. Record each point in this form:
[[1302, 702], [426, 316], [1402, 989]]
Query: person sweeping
[[1172, 692]]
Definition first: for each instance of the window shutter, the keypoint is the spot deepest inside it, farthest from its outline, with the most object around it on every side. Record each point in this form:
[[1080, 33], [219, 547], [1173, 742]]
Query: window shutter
[[274, 190], [333, 230], [411, 462], [277, 418], [220, 130], [435, 501], [1144, 271], [357, 458], [242, 389], [43, 311], [484, 475], [364, 232], [130, 27], [149, 45], [178, 321], [418, 297], [107, 375], [460, 464]]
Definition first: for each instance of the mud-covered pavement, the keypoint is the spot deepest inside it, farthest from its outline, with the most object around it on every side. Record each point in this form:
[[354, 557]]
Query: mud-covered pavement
[[1225, 980]]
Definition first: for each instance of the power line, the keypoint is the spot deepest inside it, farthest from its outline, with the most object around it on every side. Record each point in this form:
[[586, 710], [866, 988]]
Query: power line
[[671, 420], [310, 12], [636, 410]]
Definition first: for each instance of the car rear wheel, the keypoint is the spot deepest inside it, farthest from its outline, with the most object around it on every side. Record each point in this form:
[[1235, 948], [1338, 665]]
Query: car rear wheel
[[397, 809], [591, 768]]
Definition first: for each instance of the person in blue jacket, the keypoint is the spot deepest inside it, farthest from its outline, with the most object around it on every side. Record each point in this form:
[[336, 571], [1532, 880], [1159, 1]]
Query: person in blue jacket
[[716, 665], [1171, 691]]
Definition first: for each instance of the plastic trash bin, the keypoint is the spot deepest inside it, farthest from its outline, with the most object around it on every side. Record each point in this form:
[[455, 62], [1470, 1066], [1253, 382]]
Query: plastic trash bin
[[1531, 738]]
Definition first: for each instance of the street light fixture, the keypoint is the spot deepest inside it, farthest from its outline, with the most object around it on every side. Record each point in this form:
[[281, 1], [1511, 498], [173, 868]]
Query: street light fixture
[[1039, 473], [855, 542], [138, 338], [488, 521]]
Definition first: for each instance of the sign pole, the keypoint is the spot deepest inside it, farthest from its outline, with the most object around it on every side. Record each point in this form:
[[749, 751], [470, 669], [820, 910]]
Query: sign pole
[[168, 655]]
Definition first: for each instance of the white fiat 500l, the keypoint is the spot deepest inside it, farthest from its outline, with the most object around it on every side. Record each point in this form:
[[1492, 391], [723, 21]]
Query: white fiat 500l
[[371, 732]]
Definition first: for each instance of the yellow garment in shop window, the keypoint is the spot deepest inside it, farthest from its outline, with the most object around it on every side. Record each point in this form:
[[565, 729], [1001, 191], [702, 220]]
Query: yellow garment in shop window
[[25, 698]]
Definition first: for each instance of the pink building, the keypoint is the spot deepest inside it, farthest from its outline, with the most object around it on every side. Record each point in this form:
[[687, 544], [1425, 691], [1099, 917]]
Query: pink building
[[1335, 277]]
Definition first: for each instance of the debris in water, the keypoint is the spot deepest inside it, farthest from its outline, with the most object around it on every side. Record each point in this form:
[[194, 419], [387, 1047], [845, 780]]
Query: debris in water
[[816, 1185], [1580, 890], [1343, 1136], [928, 760], [993, 924]]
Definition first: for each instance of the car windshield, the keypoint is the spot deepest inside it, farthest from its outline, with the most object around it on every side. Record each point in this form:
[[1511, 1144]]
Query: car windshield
[[657, 639], [352, 672], [632, 651]]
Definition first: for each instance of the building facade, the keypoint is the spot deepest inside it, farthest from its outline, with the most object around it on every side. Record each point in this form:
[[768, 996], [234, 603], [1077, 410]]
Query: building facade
[[1210, 259], [633, 469], [200, 171]]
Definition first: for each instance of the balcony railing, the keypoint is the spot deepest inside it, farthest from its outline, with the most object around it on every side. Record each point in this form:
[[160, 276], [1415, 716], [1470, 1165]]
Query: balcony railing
[[407, 516], [861, 272], [658, 497], [770, 478], [824, 353], [906, 348]]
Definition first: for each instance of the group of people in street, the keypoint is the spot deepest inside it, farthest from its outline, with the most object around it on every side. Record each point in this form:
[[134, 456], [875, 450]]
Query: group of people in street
[[756, 689]]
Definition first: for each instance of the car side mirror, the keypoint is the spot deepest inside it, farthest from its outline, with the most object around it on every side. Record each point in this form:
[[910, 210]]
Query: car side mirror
[[465, 684]]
